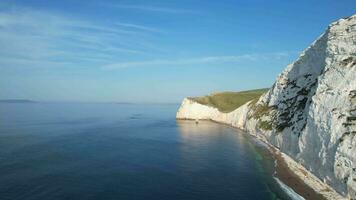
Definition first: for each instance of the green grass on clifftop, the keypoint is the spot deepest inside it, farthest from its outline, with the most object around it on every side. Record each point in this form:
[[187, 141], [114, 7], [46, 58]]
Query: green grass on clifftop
[[229, 101]]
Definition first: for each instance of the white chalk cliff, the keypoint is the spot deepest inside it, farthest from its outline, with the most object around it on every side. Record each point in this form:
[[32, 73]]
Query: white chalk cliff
[[310, 111]]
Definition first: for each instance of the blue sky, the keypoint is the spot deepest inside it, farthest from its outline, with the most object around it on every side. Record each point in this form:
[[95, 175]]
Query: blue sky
[[152, 51]]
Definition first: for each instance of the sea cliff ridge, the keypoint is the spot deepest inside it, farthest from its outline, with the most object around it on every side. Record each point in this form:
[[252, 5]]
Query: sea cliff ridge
[[309, 114]]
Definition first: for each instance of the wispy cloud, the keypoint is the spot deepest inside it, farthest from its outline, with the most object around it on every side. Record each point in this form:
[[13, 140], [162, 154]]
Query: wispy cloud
[[31, 37], [138, 27], [38, 38], [199, 60], [150, 8]]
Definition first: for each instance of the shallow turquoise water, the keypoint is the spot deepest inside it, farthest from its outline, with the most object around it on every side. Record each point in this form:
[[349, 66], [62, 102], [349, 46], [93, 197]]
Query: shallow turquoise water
[[116, 151]]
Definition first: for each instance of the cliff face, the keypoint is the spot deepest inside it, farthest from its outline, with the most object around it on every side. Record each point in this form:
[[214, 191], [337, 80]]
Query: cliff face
[[310, 112]]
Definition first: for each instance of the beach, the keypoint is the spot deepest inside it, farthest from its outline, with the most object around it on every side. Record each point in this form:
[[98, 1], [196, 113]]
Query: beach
[[300, 180]]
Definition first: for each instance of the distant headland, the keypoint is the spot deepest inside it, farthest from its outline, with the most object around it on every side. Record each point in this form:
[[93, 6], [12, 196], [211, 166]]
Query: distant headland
[[17, 101]]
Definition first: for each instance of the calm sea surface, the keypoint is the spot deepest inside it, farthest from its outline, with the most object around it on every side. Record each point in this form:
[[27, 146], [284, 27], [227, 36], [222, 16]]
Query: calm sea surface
[[114, 151]]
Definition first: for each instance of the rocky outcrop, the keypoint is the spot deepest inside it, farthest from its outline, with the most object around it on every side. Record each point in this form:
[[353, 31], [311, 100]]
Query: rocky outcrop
[[310, 112], [190, 109]]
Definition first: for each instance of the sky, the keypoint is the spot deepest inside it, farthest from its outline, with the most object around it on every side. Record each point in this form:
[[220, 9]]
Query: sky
[[157, 51]]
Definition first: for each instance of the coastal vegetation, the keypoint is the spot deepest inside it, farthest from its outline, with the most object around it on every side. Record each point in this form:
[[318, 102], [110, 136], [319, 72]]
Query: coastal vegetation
[[263, 113], [229, 101]]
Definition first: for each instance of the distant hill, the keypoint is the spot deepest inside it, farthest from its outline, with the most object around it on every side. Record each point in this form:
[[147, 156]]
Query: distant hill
[[16, 101], [229, 101]]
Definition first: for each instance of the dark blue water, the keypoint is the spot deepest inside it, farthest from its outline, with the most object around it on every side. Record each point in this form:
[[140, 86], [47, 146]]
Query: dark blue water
[[111, 151]]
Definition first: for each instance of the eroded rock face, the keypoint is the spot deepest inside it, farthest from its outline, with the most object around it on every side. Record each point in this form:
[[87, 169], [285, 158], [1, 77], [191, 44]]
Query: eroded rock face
[[193, 110], [310, 112], [331, 117], [313, 122]]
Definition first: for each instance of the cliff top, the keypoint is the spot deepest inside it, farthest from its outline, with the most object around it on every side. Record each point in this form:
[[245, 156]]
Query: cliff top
[[229, 101]]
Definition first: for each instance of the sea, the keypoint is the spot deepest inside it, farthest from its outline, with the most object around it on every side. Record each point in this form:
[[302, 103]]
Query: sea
[[108, 151]]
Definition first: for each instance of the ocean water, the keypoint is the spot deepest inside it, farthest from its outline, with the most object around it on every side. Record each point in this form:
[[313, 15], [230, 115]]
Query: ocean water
[[120, 151]]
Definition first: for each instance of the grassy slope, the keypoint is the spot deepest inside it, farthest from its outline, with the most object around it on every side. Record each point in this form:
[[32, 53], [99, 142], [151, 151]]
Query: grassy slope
[[229, 101]]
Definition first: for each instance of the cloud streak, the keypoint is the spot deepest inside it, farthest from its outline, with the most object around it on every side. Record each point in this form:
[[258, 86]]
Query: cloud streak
[[35, 38], [138, 27], [149, 8], [199, 60], [40, 37]]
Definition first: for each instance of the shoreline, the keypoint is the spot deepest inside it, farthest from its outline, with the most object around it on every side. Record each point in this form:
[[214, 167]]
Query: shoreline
[[289, 178], [293, 174], [301, 180]]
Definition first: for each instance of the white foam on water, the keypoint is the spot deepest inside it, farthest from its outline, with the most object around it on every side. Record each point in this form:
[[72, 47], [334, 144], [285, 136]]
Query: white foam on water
[[288, 190]]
